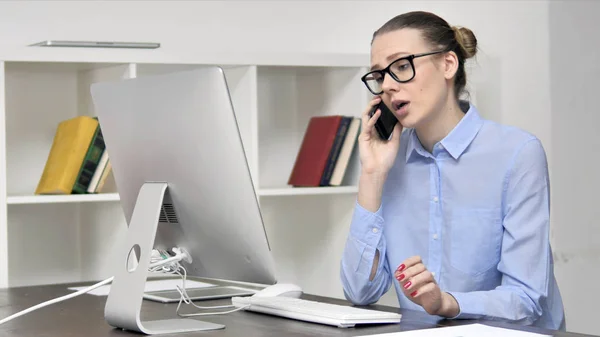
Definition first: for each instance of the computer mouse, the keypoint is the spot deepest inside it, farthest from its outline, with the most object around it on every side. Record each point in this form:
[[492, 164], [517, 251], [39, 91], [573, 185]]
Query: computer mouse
[[280, 289]]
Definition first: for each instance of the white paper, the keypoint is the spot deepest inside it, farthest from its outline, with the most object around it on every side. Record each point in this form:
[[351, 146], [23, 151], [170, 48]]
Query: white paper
[[470, 330], [153, 285]]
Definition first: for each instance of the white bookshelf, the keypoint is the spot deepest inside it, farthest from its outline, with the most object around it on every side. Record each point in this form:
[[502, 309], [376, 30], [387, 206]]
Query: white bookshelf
[[52, 239]]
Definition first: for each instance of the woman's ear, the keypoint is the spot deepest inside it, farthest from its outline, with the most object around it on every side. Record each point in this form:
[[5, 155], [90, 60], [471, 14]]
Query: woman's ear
[[450, 65]]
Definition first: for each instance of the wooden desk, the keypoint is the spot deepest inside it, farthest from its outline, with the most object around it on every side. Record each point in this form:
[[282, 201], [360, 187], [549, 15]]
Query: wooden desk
[[84, 316]]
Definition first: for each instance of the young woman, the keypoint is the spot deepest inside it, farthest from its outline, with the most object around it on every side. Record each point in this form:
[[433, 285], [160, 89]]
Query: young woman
[[455, 210]]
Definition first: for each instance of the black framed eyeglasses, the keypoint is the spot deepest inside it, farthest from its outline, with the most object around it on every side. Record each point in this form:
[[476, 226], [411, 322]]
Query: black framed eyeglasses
[[402, 70]]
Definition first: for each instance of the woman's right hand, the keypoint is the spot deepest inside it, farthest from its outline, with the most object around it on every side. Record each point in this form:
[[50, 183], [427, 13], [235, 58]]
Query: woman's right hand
[[376, 155]]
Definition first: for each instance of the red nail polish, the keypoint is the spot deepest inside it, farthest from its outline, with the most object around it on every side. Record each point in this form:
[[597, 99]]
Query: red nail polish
[[400, 277], [401, 268], [407, 284], [413, 294]]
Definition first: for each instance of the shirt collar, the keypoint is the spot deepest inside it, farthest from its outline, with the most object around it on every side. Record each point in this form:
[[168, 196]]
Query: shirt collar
[[457, 141]]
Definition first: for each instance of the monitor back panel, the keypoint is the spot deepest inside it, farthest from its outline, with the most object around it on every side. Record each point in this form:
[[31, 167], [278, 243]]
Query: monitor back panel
[[180, 128]]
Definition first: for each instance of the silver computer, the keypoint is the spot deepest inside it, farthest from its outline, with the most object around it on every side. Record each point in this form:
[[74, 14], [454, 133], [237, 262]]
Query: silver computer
[[183, 180]]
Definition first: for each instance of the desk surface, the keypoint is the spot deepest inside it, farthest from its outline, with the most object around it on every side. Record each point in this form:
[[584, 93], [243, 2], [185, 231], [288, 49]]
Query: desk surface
[[84, 316]]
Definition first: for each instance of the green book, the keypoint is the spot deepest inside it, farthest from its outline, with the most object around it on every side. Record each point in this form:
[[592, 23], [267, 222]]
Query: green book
[[90, 162]]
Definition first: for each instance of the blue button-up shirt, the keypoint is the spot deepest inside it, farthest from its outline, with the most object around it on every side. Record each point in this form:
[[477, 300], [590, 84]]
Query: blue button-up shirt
[[476, 210]]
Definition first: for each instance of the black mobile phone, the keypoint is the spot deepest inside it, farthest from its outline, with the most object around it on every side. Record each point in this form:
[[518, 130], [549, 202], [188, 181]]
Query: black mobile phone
[[386, 121]]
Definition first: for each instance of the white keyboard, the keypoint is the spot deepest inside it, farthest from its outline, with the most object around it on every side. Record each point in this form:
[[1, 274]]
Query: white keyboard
[[316, 312]]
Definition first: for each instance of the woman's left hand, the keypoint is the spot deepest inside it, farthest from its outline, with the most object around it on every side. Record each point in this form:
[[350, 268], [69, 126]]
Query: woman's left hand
[[419, 286]]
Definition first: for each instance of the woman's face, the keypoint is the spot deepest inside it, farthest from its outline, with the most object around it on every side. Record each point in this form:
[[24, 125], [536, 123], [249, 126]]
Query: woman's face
[[417, 101]]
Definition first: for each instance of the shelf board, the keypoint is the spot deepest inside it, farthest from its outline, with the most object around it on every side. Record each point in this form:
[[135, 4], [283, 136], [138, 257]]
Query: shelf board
[[112, 55], [51, 199], [307, 190]]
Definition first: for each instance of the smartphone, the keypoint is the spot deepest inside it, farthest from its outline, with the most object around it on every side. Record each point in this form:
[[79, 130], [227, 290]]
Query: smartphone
[[386, 121]]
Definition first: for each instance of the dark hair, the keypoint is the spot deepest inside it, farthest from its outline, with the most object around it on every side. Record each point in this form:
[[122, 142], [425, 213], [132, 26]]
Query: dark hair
[[439, 34]]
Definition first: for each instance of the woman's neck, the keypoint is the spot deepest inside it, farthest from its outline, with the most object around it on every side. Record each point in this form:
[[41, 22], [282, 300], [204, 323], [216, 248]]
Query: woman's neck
[[434, 130]]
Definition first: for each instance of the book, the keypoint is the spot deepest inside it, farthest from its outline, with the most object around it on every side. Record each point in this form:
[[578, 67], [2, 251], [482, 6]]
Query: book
[[90, 162], [314, 152], [105, 177], [335, 150], [71, 142], [345, 154], [95, 181]]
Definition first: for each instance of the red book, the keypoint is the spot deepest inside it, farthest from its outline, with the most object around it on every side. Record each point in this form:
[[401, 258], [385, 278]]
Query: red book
[[314, 152]]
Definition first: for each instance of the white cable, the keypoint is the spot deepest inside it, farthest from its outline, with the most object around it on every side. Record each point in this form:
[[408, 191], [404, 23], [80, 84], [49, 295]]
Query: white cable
[[187, 299], [56, 300], [213, 313], [170, 260], [175, 258]]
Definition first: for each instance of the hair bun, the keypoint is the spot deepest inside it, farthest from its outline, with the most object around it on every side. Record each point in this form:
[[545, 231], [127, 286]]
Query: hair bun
[[467, 41]]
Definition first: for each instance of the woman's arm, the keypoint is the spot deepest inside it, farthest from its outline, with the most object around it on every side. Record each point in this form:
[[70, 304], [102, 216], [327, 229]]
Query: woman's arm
[[365, 275], [526, 255]]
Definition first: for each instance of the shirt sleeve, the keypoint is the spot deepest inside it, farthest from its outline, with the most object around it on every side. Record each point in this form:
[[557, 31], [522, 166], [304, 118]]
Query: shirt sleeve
[[525, 261], [365, 238]]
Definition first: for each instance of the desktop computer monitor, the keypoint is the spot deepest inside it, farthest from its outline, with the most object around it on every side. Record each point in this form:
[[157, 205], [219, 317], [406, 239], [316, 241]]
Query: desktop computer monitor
[[184, 181]]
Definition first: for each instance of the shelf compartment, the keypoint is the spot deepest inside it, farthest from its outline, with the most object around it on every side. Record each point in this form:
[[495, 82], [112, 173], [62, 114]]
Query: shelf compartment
[[307, 237], [287, 98], [39, 97]]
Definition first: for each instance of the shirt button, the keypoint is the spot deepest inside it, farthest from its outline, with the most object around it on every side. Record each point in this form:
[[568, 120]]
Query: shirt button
[[435, 236], [435, 199], [375, 230], [433, 274]]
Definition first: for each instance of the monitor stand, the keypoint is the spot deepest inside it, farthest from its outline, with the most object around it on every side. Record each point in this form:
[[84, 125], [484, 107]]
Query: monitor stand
[[124, 301]]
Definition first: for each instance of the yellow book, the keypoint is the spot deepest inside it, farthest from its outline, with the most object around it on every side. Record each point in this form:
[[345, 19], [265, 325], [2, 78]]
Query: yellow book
[[70, 145]]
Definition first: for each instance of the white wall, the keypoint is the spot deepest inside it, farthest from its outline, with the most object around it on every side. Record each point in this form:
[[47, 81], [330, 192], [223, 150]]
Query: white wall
[[574, 72], [505, 78], [319, 26], [513, 75]]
